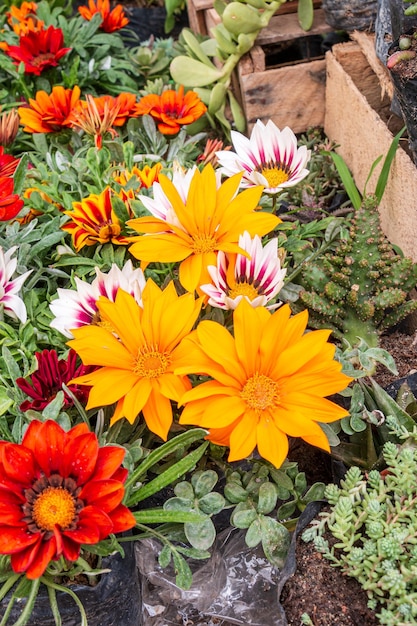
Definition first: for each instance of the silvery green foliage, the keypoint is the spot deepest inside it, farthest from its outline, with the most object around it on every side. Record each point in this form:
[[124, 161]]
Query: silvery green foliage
[[373, 520]]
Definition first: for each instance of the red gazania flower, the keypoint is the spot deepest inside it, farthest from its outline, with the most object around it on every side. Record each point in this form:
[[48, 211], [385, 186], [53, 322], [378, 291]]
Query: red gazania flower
[[52, 373], [172, 109], [58, 491], [39, 50], [112, 20], [8, 163], [49, 113], [10, 203]]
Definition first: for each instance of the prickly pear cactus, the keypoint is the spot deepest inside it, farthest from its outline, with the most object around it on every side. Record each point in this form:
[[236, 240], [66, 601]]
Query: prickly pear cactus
[[362, 288]]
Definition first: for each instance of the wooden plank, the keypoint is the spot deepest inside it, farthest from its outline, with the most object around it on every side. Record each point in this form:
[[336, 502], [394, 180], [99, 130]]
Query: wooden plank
[[292, 95], [280, 28], [366, 41], [366, 133]]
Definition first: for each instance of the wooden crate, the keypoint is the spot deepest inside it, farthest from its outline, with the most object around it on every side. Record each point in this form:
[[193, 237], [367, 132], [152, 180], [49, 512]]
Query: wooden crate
[[359, 120], [202, 17], [291, 95]]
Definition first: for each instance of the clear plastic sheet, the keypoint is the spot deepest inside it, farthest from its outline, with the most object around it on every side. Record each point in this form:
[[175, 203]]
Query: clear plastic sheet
[[237, 585]]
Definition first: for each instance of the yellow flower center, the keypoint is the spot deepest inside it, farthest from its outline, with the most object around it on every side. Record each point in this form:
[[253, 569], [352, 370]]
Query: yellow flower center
[[260, 392], [151, 363], [275, 175], [108, 231], [54, 506], [243, 289], [204, 243]]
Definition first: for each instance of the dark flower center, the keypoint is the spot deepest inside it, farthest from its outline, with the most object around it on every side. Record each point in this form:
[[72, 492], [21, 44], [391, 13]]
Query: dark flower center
[[52, 501]]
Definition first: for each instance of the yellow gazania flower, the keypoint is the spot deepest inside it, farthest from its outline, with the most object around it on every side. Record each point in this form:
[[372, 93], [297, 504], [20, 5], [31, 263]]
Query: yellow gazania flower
[[210, 219], [93, 221], [269, 382], [137, 360]]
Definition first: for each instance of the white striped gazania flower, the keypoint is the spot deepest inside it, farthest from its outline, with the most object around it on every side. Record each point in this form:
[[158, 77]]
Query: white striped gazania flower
[[77, 307], [270, 157], [13, 305], [258, 278]]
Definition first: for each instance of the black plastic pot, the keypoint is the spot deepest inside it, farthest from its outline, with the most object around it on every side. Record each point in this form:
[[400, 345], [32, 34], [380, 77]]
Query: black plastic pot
[[350, 15], [115, 601]]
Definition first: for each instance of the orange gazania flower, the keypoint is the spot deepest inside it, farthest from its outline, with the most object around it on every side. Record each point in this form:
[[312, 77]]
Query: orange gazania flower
[[138, 356], [24, 19], [10, 203], [269, 382], [97, 115], [172, 109], [195, 228], [39, 50], [144, 178], [58, 491], [94, 221], [49, 113], [112, 20]]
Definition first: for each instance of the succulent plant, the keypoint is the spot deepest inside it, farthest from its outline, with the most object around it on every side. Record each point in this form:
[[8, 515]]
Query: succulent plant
[[373, 521], [360, 289]]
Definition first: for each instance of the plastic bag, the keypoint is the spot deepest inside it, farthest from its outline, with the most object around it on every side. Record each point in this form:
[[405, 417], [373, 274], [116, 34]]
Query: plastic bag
[[237, 584]]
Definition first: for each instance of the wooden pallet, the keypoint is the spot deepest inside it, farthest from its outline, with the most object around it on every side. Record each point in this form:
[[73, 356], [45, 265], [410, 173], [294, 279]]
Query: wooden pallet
[[289, 94]]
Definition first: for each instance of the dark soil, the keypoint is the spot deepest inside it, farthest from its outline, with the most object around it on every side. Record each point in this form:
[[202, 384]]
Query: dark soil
[[329, 597]]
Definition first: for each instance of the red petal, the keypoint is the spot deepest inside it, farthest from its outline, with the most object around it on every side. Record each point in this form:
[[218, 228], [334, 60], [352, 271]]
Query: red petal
[[13, 540], [93, 526], [122, 519], [80, 457], [46, 554], [18, 464], [46, 440], [70, 549], [103, 494], [108, 462], [11, 513]]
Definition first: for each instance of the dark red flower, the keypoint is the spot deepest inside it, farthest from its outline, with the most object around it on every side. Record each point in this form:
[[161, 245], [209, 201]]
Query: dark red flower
[[10, 203], [39, 50], [58, 491], [44, 384]]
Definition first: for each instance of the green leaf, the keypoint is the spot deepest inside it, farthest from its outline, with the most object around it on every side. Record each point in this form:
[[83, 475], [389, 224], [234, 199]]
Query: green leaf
[[305, 14], [200, 535], [164, 558], [383, 177], [212, 503], [243, 515], [234, 492], [193, 73], [169, 476], [253, 535], [162, 516], [172, 445], [347, 180], [204, 482], [267, 498], [183, 577], [275, 540]]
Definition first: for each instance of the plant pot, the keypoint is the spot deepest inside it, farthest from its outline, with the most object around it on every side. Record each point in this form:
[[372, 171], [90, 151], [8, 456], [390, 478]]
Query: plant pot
[[115, 600], [350, 15], [404, 78]]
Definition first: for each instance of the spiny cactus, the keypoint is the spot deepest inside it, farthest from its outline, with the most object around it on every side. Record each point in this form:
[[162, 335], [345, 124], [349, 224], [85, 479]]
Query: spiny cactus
[[361, 289]]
